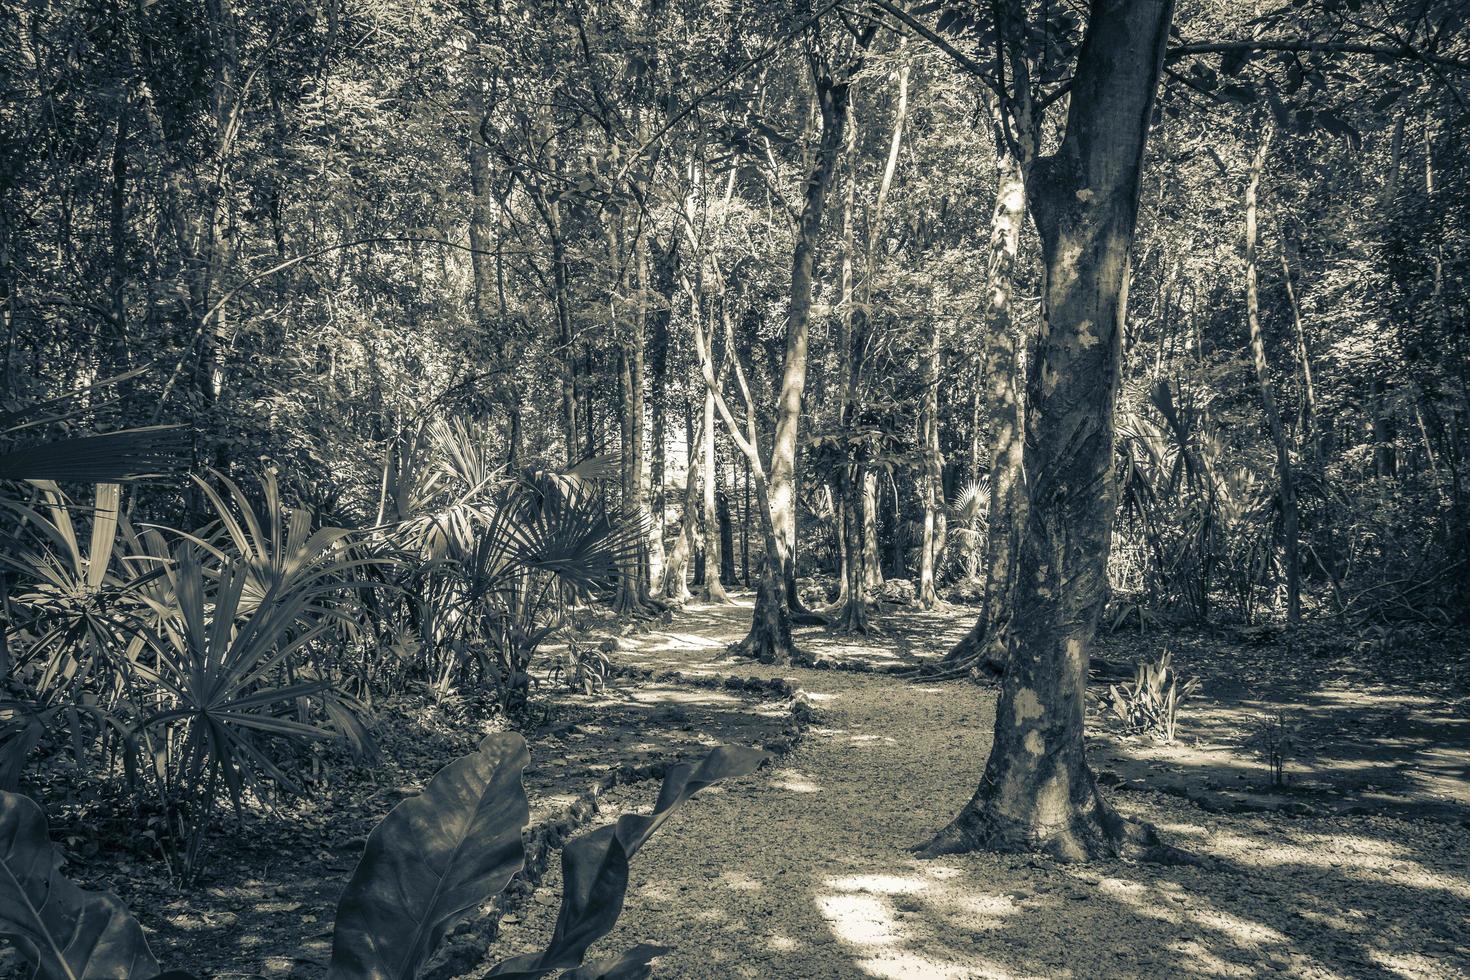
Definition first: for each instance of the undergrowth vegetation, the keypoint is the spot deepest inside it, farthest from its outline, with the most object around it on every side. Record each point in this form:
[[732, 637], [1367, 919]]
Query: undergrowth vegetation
[[434, 859], [207, 666]]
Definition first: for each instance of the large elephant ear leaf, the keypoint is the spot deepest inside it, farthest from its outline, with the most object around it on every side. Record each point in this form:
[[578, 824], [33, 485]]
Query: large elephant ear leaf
[[435, 857], [635, 964], [594, 867], [67, 933]]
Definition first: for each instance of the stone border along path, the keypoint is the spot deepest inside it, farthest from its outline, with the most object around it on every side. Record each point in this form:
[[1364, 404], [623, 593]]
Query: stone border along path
[[803, 870]]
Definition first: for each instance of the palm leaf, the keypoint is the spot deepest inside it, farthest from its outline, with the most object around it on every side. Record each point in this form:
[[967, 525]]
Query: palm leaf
[[128, 454]]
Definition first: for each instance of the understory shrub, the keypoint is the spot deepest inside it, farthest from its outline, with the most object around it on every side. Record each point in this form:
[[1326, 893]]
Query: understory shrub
[[1276, 739], [430, 862], [209, 665], [1150, 704], [967, 590]]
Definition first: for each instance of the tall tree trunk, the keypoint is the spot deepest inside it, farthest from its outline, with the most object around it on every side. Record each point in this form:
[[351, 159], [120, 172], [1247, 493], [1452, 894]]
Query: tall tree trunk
[[727, 536], [637, 408], [853, 613], [628, 460], [851, 605], [714, 590], [674, 585], [832, 101], [1001, 347], [933, 478], [664, 262], [769, 639], [745, 530], [1290, 555], [1037, 792]]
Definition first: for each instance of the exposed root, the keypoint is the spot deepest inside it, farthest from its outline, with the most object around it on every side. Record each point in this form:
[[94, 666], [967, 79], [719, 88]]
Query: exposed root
[[1097, 834]]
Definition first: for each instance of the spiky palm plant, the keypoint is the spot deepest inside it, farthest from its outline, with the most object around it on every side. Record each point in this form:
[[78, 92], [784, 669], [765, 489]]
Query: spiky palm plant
[[221, 672], [969, 515]]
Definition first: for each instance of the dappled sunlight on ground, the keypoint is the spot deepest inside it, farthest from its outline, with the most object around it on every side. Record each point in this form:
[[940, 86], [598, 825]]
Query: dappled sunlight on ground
[[804, 871]]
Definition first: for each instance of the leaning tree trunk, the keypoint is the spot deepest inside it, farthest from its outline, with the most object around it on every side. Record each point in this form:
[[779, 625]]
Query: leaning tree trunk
[[1290, 549], [769, 639], [1037, 792], [781, 491]]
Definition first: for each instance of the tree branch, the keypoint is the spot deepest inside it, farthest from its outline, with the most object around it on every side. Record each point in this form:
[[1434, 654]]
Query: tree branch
[[1400, 51]]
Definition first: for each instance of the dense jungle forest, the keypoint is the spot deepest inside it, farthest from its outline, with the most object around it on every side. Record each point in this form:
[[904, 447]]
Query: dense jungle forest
[[1008, 458]]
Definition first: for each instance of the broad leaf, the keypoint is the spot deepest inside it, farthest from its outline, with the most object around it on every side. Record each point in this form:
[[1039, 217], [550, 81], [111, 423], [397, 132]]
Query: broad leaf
[[109, 457], [635, 964], [65, 932], [433, 859], [594, 867]]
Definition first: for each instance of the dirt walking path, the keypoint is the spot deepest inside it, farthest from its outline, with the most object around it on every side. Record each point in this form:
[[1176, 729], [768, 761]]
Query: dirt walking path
[[803, 871]]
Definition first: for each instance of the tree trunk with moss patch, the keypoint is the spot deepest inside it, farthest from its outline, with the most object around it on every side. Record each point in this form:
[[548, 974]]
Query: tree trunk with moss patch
[[1037, 792]]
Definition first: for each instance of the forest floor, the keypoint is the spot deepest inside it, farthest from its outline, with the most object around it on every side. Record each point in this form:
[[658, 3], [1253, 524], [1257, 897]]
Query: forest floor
[[803, 871], [1360, 867]]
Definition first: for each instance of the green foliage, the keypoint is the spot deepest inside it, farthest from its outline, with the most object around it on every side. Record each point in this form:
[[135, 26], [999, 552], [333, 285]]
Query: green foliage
[[583, 667], [897, 591], [219, 669], [65, 933], [969, 513], [433, 859], [1277, 740], [1150, 704], [204, 657], [595, 865]]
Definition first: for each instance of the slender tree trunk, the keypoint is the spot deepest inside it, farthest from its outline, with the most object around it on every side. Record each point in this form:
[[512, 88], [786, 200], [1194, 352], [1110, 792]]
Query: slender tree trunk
[[848, 499], [1037, 792], [664, 261], [714, 590], [832, 99], [769, 639], [637, 430], [627, 598], [118, 233], [1002, 383], [562, 295], [674, 585], [745, 531], [933, 478], [1308, 415], [1290, 555], [853, 613]]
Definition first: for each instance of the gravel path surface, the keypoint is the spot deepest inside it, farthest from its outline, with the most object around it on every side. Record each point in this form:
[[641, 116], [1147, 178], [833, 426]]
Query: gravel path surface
[[803, 871]]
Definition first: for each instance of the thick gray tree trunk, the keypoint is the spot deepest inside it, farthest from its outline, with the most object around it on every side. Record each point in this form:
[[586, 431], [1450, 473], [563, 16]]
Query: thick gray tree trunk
[[1037, 792]]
